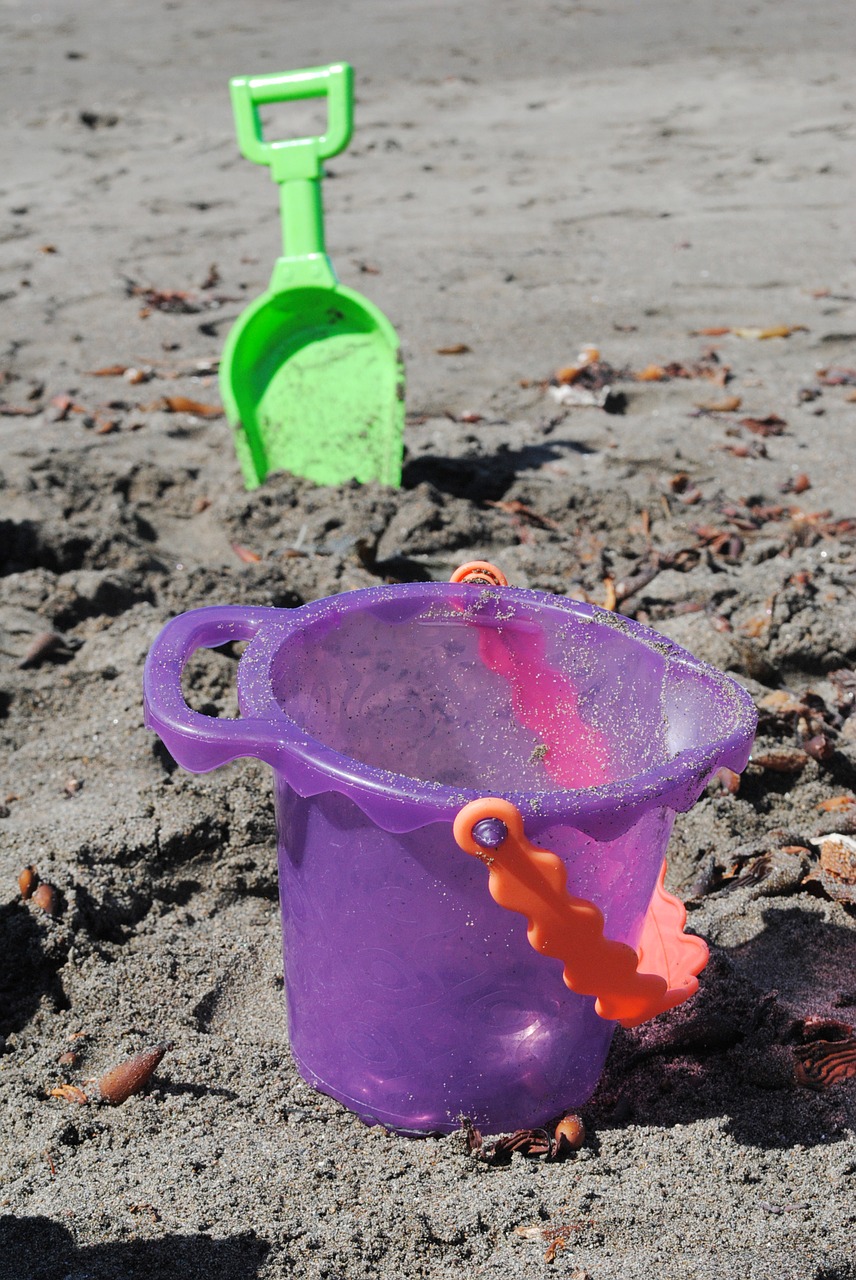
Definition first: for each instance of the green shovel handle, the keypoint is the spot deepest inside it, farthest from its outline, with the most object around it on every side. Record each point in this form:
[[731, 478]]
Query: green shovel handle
[[295, 157]]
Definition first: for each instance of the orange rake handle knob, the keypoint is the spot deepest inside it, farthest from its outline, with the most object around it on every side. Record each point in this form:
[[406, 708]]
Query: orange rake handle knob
[[532, 881]]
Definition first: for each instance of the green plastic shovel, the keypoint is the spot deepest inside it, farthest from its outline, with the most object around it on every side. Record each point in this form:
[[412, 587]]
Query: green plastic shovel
[[311, 377]]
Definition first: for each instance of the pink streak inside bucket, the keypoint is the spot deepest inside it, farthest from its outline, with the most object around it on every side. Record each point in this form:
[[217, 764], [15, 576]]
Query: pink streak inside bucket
[[546, 702]]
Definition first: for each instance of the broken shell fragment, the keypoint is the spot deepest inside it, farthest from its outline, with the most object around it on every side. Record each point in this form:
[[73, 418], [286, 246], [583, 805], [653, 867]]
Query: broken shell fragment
[[69, 1093], [130, 1076], [824, 1062]]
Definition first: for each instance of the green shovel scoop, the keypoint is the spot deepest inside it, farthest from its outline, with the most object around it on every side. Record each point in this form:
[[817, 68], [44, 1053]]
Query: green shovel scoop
[[311, 375]]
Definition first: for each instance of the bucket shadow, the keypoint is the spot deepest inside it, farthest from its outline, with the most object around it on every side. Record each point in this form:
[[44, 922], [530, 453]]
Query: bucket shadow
[[27, 973], [36, 1248], [731, 1051]]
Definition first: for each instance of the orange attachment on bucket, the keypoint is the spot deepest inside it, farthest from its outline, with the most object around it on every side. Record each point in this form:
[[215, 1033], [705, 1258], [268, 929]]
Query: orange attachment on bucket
[[481, 573], [532, 881]]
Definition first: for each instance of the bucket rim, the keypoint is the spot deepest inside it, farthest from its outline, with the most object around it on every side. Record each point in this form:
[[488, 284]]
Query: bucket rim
[[312, 767]]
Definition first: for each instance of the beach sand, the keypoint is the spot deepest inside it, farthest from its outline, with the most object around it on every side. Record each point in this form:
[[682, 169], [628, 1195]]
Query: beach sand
[[523, 180]]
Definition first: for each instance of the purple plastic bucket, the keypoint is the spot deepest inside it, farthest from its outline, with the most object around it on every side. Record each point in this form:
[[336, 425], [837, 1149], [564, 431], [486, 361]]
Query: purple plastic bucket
[[412, 997]]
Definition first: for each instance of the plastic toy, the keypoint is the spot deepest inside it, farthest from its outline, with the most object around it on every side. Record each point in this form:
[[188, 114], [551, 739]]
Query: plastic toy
[[411, 726], [311, 376]]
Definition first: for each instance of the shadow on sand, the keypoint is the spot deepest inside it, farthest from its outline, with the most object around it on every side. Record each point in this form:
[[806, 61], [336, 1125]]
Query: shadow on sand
[[35, 1248], [732, 1050]]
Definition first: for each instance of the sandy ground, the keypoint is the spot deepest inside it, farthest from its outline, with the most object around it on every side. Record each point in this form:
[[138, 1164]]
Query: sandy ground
[[524, 179]]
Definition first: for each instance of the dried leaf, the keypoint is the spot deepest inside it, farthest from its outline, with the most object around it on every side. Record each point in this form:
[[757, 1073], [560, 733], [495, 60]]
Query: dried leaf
[[652, 373], [588, 356], [18, 411], [558, 1243], [181, 404], [837, 376], [245, 554], [713, 331], [174, 300], [472, 1135], [454, 349], [729, 405], [772, 425], [130, 1076], [837, 804], [629, 586], [109, 371], [516, 508], [781, 759], [683, 489], [796, 484], [754, 449], [61, 407], [69, 1093], [772, 331], [782, 703], [530, 1142], [47, 646]]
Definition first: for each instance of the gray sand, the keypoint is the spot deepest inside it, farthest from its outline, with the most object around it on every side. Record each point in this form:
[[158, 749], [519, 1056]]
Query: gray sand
[[524, 179]]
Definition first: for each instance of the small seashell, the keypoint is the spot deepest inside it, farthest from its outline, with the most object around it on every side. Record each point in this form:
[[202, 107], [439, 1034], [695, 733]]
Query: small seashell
[[130, 1076], [570, 1132], [824, 1062], [47, 898], [27, 881]]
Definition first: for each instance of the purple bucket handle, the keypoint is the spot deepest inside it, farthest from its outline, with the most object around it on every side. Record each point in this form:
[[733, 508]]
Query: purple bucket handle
[[196, 741]]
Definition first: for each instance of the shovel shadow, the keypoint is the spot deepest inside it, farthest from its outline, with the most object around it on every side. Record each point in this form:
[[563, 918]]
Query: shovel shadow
[[485, 477]]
